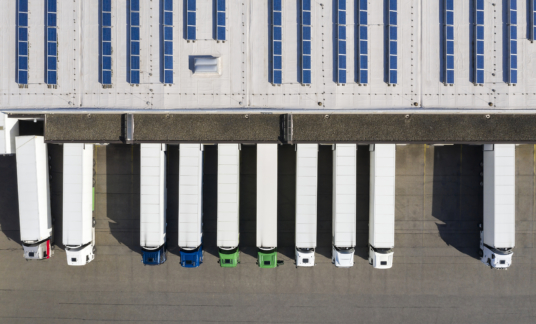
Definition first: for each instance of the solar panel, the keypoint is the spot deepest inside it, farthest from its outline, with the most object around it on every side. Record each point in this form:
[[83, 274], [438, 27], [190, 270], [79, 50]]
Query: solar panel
[[191, 20], [478, 64], [277, 42], [134, 63], [220, 20], [392, 63], [106, 43], [448, 57], [362, 42], [22, 43], [52, 43], [532, 14], [341, 42], [512, 42], [306, 40], [167, 32]]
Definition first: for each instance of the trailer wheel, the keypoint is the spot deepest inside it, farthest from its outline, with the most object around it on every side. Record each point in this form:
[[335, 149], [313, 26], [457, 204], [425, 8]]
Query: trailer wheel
[[489, 263], [480, 226], [480, 253], [94, 249], [94, 222]]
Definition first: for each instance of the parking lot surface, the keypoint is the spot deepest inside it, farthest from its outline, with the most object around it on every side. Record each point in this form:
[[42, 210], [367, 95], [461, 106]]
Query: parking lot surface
[[436, 278]]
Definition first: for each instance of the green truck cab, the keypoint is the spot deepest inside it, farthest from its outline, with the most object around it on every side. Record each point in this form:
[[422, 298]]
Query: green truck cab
[[229, 258], [267, 258]]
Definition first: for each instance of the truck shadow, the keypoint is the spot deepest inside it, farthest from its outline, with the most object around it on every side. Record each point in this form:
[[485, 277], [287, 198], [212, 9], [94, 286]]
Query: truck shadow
[[172, 211], [121, 193], [362, 201], [457, 201], [9, 213], [55, 163], [286, 200], [210, 200], [248, 202]]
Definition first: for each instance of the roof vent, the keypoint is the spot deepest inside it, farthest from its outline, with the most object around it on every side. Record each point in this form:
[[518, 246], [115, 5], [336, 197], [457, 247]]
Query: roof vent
[[207, 66]]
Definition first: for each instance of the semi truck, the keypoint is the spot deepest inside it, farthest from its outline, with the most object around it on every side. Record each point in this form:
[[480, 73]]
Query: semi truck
[[306, 200], [267, 205], [382, 205], [228, 204], [497, 233], [78, 221], [191, 205], [153, 203], [36, 232], [344, 205]]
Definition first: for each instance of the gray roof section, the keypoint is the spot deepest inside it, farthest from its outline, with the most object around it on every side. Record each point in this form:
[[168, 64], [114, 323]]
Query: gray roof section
[[104, 128]]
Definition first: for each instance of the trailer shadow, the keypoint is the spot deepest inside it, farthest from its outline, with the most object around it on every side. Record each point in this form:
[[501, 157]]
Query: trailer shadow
[[362, 201], [324, 208], [286, 200], [248, 200], [55, 163], [172, 209], [457, 197], [9, 213], [121, 193], [210, 199]]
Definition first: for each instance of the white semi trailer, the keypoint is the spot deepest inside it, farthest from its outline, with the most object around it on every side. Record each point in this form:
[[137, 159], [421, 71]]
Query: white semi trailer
[[228, 204], [191, 204], [267, 205], [35, 218], [78, 221], [306, 201], [382, 205], [153, 203], [497, 235], [344, 204]]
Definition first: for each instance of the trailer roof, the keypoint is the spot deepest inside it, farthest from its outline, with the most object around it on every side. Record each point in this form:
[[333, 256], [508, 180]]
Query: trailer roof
[[77, 193], [190, 195], [228, 194], [382, 196], [306, 194], [344, 195], [152, 195], [267, 195]]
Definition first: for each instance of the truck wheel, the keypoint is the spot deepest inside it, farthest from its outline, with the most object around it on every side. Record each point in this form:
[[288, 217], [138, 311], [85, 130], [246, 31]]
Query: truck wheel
[[94, 222], [480, 226], [480, 253], [94, 249], [489, 263]]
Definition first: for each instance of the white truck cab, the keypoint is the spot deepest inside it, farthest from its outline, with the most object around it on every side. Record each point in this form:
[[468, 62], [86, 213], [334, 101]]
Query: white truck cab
[[82, 255], [38, 251], [305, 257], [342, 257]]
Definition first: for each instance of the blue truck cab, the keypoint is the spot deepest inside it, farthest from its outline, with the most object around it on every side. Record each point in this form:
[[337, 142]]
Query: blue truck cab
[[192, 258], [154, 257]]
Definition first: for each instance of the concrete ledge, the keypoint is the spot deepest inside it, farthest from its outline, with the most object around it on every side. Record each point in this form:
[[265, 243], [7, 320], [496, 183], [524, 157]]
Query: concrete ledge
[[414, 128], [206, 128], [84, 128]]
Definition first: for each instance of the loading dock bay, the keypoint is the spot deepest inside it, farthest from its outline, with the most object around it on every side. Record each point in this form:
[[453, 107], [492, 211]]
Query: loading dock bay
[[437, 276]]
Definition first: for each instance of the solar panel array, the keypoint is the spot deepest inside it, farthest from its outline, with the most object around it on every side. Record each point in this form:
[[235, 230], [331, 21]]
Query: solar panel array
[[190, 20], [306, 41], [22, 43], [478, 64], [341, 41], [448, 64], [167, 31], [134, 42], [532, 19], [512, 42], [52, 43], [106, 43], [277, 42], [393, 43], [362, 34], [220, 20]]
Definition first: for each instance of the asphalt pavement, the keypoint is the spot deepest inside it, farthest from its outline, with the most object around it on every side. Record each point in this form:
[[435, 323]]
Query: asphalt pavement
[[436, 277]]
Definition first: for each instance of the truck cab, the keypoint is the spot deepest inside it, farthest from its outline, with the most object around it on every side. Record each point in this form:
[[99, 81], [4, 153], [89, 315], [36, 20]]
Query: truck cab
[[499, 259], [81, 255], [267, 258], [38, 251], [342, 257], [191, 258], [154, 257], [380, 258], [305, 257], [229, 258]]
